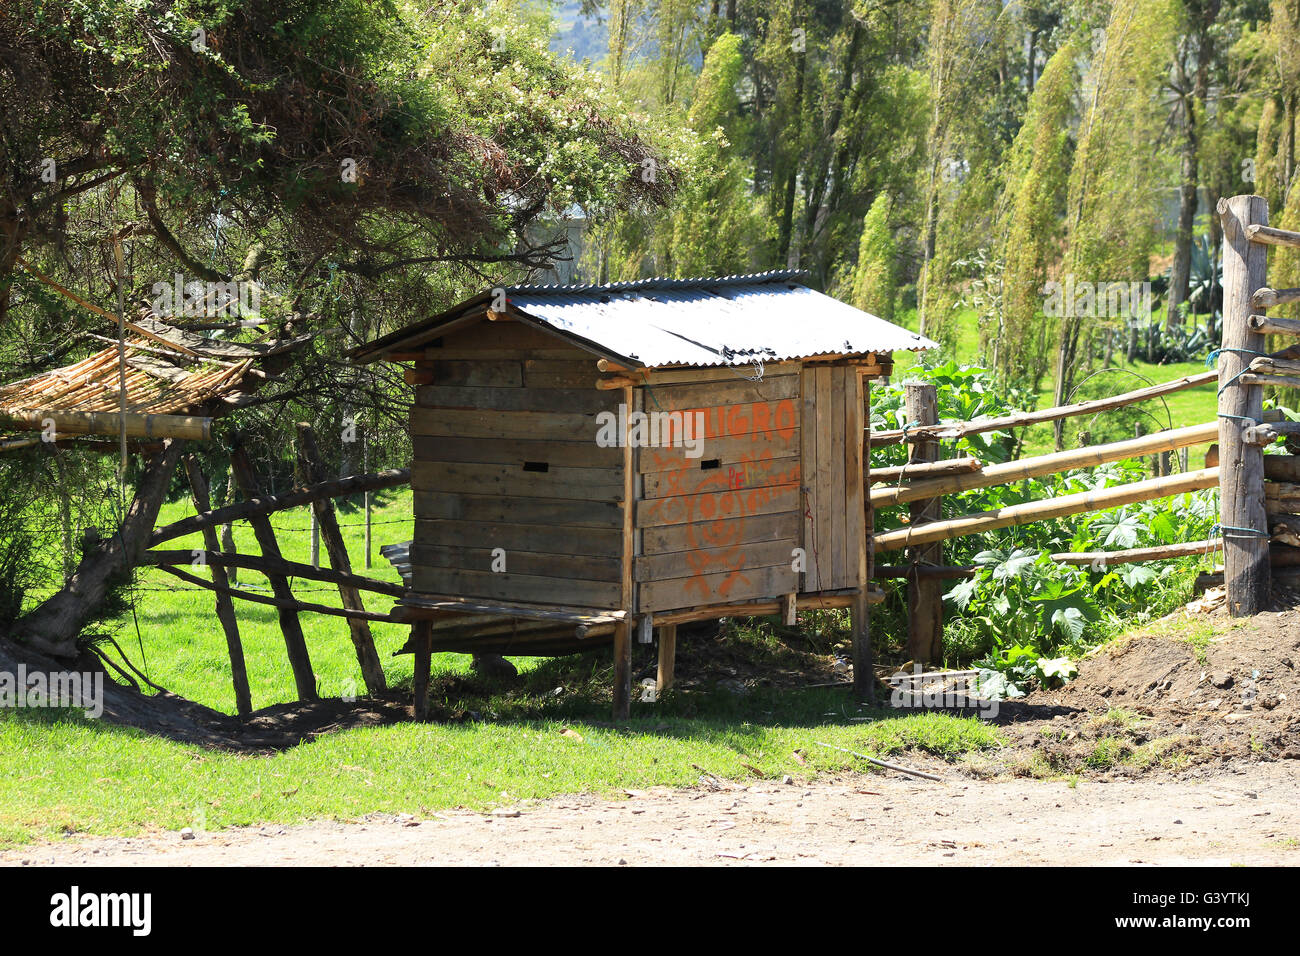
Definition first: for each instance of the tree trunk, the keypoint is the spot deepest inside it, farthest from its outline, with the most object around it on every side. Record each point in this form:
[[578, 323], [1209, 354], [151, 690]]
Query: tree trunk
[[53, 627]]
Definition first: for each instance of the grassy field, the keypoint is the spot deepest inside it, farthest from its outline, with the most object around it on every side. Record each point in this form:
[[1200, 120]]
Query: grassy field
[[65, 774]]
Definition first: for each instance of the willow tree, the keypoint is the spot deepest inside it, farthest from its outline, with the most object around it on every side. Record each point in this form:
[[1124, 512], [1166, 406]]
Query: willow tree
[[873, 286], [1113, 196], [1032, 221]]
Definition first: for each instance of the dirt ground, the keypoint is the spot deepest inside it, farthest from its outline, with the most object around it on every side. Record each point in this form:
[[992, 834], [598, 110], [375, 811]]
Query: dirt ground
[[1246, 816]]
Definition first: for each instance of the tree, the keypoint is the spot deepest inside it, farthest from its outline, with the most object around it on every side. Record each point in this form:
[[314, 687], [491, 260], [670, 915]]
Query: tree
[[874, 284]]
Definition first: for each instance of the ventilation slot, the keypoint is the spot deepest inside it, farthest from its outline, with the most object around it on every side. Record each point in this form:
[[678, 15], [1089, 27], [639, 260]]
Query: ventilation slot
[[536, 466], [710, 463]]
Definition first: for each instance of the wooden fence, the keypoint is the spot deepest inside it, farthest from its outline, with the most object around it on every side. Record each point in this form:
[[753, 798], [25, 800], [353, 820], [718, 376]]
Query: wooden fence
[[1260, 495]]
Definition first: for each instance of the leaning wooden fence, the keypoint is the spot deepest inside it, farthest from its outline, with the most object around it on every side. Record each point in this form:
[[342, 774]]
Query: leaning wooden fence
[[1259, 524]]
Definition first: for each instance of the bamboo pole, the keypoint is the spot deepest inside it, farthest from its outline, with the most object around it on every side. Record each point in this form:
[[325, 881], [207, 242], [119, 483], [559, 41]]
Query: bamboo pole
[[1271, 325], [1242, 513], [950, 466], [1102, 559], [1061, 507], [110, 423], [946, 430], [1049, 464]]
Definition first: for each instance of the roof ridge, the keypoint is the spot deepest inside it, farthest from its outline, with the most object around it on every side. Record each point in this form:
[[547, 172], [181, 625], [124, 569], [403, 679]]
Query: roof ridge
[[664, 282]]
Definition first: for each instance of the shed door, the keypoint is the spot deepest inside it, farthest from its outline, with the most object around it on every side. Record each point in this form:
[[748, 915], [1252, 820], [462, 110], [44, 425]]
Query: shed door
[[831, 447]]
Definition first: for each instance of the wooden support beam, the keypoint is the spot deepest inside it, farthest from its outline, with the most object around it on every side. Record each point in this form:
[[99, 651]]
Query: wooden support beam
[[622, 670], [667, 658], [1061, 507], [422, 644], [225, 607], [857, 416], [294, 643], [312, 469], [1267, 235], [1271, 298], [269, 504], [790, 609], [292, 569], [924, 595], [946, 430], [110, 423], [917, 472], [1241, 464], [290, 604], [1049, 464]]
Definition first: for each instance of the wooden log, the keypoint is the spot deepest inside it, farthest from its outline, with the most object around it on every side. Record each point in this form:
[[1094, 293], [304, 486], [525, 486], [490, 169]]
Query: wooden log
[[283, 604], [312, 468], [110, 423], [225, 607], [1103, 559], [1267, 235], [294, 643], [946, 430], [269, 504], [421, 641], [1271, 325], [1061, 507], [1271, 298], [667, 658], [950, 466], [1050, 464], [253, 562], [924, 595], [1241, 464], [1265, 433]]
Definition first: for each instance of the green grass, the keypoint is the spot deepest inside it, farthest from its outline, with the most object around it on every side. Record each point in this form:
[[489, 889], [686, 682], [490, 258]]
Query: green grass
[[1191, 406], [66, 774], [70, 775]]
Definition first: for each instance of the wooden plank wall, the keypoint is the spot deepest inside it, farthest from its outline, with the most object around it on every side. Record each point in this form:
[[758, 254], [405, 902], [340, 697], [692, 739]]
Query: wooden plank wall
[[721, 527], [833, 520], [506, 457]]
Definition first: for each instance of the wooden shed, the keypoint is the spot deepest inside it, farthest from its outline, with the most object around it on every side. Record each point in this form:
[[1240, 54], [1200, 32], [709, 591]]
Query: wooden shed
[[596, 462]]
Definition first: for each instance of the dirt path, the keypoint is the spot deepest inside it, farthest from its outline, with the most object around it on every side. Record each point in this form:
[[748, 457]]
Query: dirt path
[[1250, 815]]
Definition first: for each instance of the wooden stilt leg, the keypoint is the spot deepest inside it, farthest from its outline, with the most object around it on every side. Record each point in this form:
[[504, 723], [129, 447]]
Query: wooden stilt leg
[[422, 645], [667, 657], [864, 682], [623, 669]]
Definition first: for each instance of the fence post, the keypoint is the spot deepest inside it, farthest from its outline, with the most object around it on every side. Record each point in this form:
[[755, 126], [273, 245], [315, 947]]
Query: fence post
[[924, 592], [1243, 520]]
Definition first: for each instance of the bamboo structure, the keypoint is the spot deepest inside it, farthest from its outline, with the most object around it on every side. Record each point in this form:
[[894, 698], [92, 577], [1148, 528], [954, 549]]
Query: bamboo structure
[[1051, 508]]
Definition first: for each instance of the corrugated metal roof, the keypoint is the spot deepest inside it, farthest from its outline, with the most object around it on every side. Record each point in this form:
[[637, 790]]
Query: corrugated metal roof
[[730, 320]]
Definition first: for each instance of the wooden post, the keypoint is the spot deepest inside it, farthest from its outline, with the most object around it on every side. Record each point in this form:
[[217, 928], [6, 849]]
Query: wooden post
[[312, 467], [1244, 523], [365, 468], [667, 657], [857, 417], [295, 644], [225, 606], [422, 645], [315, 538], [924, 594], [623, 630]]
